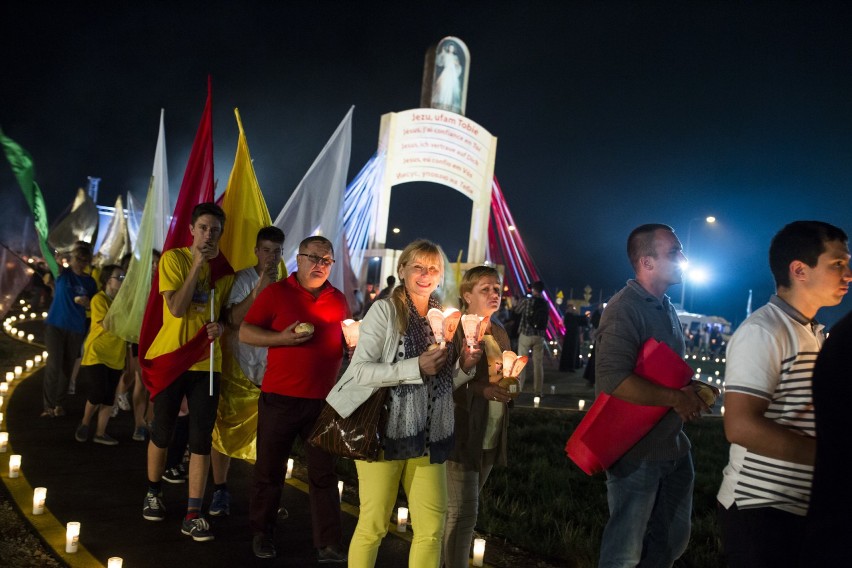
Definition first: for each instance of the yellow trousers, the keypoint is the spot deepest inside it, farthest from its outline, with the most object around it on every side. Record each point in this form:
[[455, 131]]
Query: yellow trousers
[[425, 486]]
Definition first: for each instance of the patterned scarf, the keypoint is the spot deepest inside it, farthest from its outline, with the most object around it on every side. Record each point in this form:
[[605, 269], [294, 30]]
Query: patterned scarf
[[420, 417]]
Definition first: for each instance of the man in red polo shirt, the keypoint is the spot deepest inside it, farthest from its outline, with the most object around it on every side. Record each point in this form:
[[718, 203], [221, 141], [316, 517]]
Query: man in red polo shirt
[[302, 366]]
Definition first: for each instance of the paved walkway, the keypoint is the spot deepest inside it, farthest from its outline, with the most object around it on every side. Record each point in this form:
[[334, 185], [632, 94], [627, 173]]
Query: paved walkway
[[103, 487]]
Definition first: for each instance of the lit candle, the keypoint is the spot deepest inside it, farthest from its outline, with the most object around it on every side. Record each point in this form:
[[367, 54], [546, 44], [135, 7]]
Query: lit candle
[[115, 562], [30, 337], [401, 519], [29, 364], [44, 353], [37, 359], [19, 371], [536, 401], [14, 466], [582, 404], [289, 473], [2, 398], [722, 409], [340, 489], [10, 376], [4, 442], [1, 418], [478, 551], [44, 314], [21, 333], [4, 387], [39, 497], [72, 536]]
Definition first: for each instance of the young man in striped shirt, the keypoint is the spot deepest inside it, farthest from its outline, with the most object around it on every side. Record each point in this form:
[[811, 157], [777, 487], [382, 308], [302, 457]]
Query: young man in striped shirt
[[769, 413]]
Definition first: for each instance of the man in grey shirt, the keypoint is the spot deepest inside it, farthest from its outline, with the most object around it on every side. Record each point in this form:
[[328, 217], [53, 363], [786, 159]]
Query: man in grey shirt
[[649, 490]]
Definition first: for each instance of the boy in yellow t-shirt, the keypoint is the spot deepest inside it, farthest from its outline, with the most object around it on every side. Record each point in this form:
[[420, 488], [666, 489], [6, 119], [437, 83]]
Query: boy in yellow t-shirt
[[189, 292]]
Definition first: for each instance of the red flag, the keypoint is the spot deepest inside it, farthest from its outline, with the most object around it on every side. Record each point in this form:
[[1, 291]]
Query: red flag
[[197, 187]]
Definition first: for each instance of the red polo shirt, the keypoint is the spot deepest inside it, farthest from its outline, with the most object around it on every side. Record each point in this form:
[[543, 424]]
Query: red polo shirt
[[308, 370]]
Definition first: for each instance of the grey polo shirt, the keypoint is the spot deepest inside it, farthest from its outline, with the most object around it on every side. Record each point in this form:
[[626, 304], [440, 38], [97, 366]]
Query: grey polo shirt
[[632, 317]]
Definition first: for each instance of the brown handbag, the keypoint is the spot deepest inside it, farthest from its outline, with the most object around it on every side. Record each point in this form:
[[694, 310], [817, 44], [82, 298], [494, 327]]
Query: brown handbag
[[358, 436]]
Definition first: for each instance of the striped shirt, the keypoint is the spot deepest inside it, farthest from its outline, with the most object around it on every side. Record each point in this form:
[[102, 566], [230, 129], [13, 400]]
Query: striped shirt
[[772, 356]]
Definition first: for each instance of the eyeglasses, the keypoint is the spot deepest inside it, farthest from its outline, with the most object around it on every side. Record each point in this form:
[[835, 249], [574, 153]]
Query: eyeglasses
[[318, 260], [118, 277]]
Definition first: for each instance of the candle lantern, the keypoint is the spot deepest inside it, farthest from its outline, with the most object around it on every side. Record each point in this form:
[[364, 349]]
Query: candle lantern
[[4, 442], [512, 367], [401, 519], [14, 466], [72, 536], [115, 562], [478, 551], [289, 473], [39, 497]]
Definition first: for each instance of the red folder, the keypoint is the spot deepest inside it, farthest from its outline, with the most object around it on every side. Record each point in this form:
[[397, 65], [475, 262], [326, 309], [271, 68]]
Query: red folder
[[612, 426]]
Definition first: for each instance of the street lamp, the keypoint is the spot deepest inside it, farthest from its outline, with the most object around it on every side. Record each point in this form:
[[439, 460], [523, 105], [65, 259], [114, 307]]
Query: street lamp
[[709, 220]]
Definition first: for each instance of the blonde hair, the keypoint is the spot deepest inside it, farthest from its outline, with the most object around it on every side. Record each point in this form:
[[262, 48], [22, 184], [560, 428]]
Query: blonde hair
[[470, 279], [419, 249]]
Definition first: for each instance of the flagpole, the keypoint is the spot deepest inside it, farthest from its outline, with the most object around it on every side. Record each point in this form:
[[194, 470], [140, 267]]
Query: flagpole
[[212, 343]]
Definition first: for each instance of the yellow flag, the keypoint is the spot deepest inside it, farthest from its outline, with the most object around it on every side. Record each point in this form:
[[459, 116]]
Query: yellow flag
[[245, 214], [245, 208]]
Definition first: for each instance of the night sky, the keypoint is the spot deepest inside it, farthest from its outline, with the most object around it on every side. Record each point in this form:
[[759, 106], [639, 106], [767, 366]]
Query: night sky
[[608, 115]]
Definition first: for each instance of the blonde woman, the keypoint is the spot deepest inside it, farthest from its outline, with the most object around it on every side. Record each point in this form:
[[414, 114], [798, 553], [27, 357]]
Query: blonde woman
[[481, 417], [393, 351]]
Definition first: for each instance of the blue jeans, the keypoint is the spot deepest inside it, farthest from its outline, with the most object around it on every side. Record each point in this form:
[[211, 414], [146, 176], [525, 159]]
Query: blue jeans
[[650, 509]]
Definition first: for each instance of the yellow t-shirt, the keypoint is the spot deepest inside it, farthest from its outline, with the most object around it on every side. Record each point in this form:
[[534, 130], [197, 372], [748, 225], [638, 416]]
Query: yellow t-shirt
[[102, 347], [174, 267]]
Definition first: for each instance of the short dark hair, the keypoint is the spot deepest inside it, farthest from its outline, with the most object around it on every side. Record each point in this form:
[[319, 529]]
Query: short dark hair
[[316, 239], [800, 240], [641, 242], [391, 280], [82, 249], [106, 274], [270, 233], [537, 286], [208, 209]]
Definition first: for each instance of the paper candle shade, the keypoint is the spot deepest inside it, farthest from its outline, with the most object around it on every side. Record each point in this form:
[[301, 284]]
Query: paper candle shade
[[39, 497], [72, 536], [351, 331], [470, 324], [444, 323], [401, 519], [512, 364], [14, 466], [478, 551]]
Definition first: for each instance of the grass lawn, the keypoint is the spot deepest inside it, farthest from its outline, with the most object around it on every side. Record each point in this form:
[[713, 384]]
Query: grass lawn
[[545, 504]]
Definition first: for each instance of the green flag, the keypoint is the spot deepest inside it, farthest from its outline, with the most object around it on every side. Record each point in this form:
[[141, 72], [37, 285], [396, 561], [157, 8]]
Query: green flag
[[22, 167]]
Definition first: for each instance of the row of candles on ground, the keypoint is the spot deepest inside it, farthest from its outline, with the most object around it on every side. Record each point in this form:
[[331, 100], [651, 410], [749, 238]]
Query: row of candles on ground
[[72, 529], [4, 392]]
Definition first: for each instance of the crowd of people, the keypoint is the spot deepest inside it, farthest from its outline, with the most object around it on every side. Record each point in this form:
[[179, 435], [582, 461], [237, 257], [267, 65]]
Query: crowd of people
[[278, 356]]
